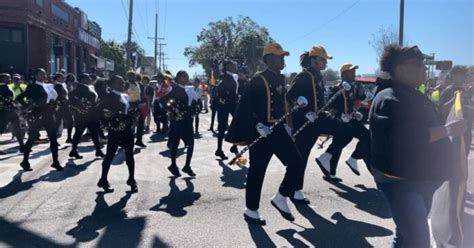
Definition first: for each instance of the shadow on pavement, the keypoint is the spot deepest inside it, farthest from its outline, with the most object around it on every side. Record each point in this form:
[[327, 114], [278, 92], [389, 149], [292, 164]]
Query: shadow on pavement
[[158, 137], [260, 236], [370, 200], [17, 185], [119, 230], [230, 178], [177, 200], [344, 233], [167, 153], [15, 236]]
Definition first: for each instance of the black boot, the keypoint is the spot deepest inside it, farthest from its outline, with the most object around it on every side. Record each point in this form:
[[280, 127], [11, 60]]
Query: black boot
[[75, 154], [133, 185], [220, 153], [99, 153], [104, 184], [189, 171], [56, 165], [174, 170], [26, 165]]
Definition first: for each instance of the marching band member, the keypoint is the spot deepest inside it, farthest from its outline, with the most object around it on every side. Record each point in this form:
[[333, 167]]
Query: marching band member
[[119, 118], [178, 105], [7, 110], [38, 98], [262, 103], [83, 102], [63, 113], [344, 110]]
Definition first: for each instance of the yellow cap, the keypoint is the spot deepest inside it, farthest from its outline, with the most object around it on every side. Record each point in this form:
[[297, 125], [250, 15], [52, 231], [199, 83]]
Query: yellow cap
[[274, 48], [320, 52], [348, 67]]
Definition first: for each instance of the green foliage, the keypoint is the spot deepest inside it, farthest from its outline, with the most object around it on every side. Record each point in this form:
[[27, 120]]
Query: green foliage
[[117, 52], [242, 40]]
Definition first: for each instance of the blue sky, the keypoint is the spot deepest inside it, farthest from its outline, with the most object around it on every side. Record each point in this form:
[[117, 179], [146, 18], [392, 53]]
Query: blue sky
[[343, 27]]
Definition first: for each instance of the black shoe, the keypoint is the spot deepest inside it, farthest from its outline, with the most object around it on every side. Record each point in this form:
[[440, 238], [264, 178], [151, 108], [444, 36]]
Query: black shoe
[[26, 166], [75, 154], [332, 178], [220, 153], [56, 165], [100, 154], [287, 216], [133, 185], [251, 220], [105, 185], [304, 201], [69, 140], [174, 170], [234, 149], [140, 144], [189, 171]]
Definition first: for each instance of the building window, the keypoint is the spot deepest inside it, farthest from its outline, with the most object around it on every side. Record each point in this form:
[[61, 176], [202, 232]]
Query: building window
[[59, 13], [16, 36], [11, 35], [39, 2]]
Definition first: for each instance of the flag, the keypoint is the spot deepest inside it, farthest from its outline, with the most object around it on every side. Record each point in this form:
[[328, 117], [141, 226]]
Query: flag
[[448, 200], [212, 81]]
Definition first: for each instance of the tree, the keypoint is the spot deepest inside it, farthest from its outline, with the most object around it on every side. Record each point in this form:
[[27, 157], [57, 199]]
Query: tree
[[384, 37], [330, 75], [242, 41], [117, 52]]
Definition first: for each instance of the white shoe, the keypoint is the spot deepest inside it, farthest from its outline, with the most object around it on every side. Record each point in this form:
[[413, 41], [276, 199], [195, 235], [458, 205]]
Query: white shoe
[[324, 163], [353, 165], [254, 217], [281, 204], [299, 195]]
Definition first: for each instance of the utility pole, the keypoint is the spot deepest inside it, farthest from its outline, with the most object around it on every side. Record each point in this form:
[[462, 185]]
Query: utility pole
[[129, 38], [156, 38], [160, 56], [400, 31]]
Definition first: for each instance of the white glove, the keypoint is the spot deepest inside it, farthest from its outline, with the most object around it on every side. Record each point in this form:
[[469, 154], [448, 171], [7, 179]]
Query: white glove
[[358, 116], [263, 130], [311, 116], [346, 117], [288, 130]]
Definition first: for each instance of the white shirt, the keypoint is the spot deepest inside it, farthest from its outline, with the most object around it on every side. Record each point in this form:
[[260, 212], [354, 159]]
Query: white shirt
[[49, 89], [191, 94], [236, 79], [123, 99]]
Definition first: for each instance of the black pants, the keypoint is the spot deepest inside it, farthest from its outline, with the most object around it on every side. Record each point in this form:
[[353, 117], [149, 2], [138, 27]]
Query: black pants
[[93, 127], [140, 128], [181, 130], [213, 116], [278, 143], [63, 114], [196, 123], [49, 124], [115, 140], [222, 119], [160, 117], [309, 136], [352, 129], [10, 116]]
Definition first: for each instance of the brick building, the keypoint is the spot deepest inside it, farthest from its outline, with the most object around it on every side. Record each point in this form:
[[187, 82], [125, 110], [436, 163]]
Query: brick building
[[49, 34]]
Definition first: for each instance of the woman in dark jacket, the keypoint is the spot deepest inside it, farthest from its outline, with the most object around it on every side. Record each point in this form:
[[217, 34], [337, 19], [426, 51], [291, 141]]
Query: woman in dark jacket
[[410, 149]]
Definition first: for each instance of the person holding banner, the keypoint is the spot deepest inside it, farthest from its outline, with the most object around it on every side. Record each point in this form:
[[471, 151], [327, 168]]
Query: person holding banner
[[411, 154]]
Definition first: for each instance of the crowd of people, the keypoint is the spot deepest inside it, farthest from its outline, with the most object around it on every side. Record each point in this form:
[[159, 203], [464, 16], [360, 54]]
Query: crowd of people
[[408, 147]]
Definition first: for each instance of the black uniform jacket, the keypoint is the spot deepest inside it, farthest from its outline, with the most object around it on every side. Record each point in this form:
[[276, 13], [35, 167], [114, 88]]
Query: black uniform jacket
[[262, 101], [180, 110], [83, 103], [226, 91], [309, 84]]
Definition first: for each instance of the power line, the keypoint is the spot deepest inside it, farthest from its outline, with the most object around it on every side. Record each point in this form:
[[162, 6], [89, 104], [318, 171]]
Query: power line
[[326, 23]]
